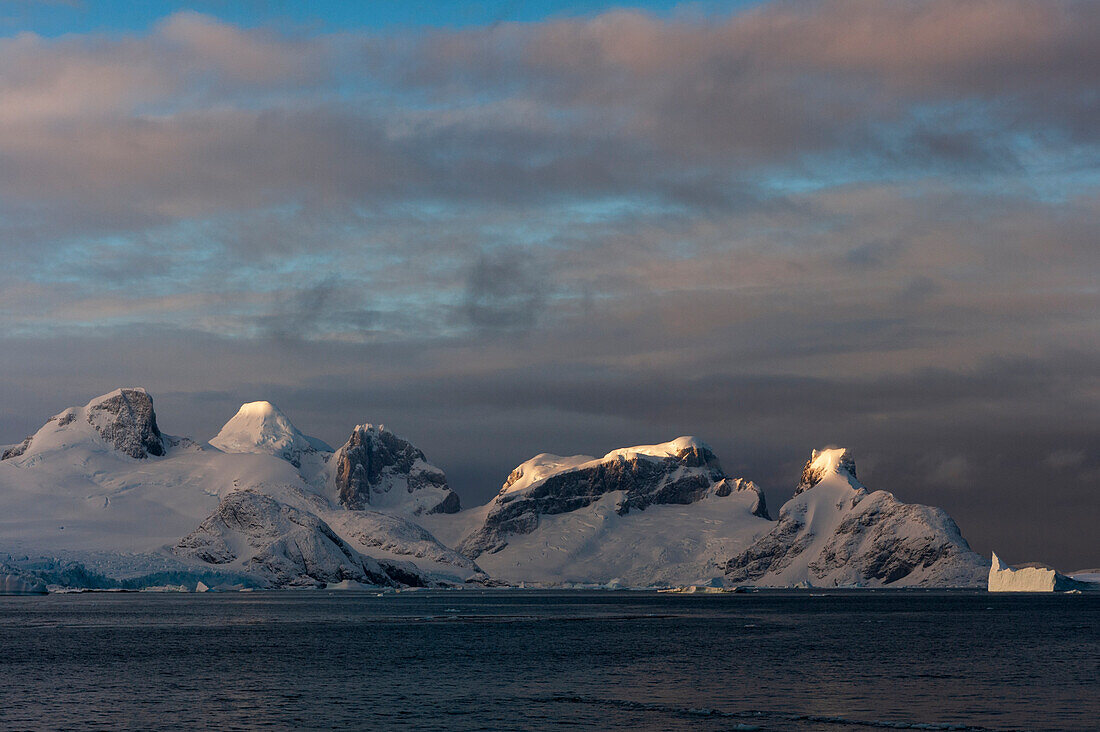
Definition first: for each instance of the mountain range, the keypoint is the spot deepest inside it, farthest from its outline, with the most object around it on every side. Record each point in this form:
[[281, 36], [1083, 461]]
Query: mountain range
[[99, 497]]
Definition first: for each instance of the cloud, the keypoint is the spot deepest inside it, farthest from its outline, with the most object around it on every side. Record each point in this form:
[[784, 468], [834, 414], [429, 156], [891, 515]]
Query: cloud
[[1062, 459], [790, 78], [249, 57], [953, 471], [200, 116], [505, 290]]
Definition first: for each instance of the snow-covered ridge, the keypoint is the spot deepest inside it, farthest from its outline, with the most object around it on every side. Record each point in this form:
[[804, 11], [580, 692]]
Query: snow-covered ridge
[[679, 472], [541, 467], [672, 448], [545, 465]]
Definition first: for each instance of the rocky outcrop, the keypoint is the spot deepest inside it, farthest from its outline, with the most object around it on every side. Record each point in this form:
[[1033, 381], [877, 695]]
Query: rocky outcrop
[[834, 532], [679, 472], [285, 546], [16, 450], [376, 468], [125, 420]]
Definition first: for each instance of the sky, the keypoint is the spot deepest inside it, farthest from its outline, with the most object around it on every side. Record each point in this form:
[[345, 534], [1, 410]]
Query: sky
[[502, 228]]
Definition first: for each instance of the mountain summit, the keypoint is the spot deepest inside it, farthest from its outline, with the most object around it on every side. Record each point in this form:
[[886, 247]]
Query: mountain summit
[[828, 463], [122, 419], [261, 427], [377, 469]]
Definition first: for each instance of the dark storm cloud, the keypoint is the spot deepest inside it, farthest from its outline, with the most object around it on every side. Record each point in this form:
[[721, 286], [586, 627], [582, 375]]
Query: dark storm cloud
[[851, 222], [505, 290], [308, 312]]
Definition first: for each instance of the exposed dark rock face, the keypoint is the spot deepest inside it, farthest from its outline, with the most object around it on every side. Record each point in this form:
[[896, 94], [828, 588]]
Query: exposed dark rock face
[[729, 486], [375, 461], [128, 423], [772, 553], [290, 547], [788, 539], [450, 504], [877, 539], [16, 450], [683, 478]]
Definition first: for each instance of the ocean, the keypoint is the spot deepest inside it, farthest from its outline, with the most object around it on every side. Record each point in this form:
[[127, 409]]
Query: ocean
[[547, 660]]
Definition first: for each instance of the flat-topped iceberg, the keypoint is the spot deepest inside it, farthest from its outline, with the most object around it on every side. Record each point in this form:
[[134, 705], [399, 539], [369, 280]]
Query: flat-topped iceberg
[[1003, 578]]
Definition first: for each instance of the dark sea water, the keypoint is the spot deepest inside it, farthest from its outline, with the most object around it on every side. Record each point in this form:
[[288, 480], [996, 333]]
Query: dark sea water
[[516, 660]]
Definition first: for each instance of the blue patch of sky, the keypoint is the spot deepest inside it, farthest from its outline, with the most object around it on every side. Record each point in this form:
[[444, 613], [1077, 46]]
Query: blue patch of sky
[[1002, 163], [53, 18], [603, 210], [170, 260]]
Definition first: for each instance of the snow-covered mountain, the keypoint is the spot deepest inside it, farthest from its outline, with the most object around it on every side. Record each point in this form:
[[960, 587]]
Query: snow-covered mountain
[[653, 514], [100, 497], [682, 471], [833, 532], [377, 468], [260, 427], [123, 420], [259, 504]]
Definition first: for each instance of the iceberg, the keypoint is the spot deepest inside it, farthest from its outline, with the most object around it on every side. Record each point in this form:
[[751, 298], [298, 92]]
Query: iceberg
[[1003, 578], [14, 582]]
